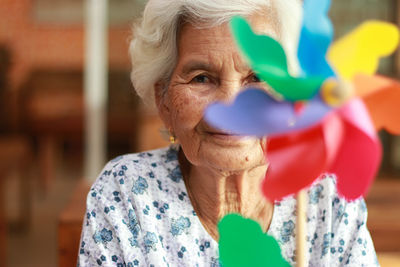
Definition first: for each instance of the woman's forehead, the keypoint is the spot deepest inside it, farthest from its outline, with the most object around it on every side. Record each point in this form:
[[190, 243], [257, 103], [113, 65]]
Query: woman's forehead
[[213, 44], [260, 23]]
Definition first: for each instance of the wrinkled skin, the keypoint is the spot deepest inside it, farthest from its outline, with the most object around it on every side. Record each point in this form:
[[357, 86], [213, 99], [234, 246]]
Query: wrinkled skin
[[222, 172]]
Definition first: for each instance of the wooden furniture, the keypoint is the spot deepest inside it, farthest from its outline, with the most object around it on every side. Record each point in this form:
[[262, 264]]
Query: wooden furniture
[[71, 218], [3, 230], [53, 113], [15, 155], [387, 259], [52, 110], [383, 202], [70, 226]]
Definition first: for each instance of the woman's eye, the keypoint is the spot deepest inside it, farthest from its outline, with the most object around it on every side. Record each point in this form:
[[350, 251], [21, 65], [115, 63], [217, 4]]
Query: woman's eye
[[201, 79], [254, 78]]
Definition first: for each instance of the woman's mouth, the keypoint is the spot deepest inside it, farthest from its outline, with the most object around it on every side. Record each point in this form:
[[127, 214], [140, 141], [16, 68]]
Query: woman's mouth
[[225, 136], [221, 136]]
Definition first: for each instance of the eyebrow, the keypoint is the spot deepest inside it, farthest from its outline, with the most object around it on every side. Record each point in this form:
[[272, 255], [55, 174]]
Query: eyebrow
[[196, 65], [201, 65]]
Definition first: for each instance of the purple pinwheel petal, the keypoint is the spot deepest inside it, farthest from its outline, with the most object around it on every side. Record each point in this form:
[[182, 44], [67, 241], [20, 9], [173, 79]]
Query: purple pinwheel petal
[[315, 110], [254, 112]]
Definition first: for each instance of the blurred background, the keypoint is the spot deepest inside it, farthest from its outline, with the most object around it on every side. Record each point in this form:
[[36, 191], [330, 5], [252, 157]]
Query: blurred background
[[43, 145]]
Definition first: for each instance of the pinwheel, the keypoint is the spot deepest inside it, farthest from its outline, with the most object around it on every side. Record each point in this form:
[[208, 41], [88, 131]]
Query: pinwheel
[[330, 131], [325, 119]]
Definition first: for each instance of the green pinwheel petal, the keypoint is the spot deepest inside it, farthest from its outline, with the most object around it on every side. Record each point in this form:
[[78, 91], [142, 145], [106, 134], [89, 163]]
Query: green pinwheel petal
[[292, 89], [261, 50], [242, 243], [268, 59]]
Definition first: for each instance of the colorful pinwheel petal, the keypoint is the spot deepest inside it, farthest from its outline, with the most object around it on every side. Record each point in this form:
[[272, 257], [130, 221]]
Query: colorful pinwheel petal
[[359, 51], [254, 112], [295, 161], [359, 154], [243, 243], [382, 97], [267, 58], [344, 138], [315, 38]]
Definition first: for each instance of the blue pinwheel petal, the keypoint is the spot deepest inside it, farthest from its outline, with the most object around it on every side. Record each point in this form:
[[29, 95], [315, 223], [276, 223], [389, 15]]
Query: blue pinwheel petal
[[256, 113], [315, 38]]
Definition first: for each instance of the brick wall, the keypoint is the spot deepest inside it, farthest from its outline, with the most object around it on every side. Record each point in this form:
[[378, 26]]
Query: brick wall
[[34, 44]]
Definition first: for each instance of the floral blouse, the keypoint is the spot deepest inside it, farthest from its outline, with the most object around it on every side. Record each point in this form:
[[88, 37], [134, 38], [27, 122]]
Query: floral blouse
[[139, 214]]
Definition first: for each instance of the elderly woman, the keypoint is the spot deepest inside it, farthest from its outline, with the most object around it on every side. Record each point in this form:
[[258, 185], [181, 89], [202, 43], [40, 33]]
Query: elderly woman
[[162, 207]]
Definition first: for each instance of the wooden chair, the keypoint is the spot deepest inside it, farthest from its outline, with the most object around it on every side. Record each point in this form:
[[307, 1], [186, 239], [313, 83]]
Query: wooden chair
[[389, 259], [53, 112], [383, 202], [3, 224], [71, 218], [15, 155], [70, 226]]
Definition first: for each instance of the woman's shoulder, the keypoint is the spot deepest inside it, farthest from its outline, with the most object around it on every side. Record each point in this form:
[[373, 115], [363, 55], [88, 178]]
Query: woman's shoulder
[[152, 158], [147, 164], [138, 208], [139, 181], [141, 178]]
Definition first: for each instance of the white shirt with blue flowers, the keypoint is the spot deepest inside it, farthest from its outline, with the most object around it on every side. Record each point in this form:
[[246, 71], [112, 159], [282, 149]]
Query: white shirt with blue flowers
[[139, 214]]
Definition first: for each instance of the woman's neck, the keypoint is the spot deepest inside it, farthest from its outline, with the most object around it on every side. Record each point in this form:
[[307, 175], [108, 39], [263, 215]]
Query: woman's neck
[[215, 193]]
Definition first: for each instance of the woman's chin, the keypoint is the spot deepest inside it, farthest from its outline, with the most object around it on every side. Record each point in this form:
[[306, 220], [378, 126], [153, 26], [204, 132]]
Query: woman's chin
[[231, 154], [224, 152]]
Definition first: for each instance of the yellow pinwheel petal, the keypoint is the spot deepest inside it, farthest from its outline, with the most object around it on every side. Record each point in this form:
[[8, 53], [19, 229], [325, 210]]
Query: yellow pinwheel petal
[[360, 50]]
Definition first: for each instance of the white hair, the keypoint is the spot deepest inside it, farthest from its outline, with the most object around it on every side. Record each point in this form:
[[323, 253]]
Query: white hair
[[153, 48]]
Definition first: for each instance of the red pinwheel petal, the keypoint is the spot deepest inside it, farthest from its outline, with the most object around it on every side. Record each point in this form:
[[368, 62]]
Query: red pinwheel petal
[[359, 154], [345, 143], [297, 159]]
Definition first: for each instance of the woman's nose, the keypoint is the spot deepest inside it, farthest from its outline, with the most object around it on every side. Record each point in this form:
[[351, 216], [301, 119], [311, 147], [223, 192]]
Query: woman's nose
[[229, 89]]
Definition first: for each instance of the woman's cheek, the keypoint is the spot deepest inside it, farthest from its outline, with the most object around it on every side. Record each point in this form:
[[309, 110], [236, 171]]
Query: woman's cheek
[[189, 108]]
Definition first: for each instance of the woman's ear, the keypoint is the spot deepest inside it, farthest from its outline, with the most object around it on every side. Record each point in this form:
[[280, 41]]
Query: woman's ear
[[162, 103]]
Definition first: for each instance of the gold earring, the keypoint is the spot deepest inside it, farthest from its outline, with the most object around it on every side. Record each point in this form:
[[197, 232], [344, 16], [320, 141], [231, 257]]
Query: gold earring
[[172, 138]]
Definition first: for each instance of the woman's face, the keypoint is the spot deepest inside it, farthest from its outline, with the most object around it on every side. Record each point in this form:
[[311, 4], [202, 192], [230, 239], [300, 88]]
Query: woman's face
[[210, 68]]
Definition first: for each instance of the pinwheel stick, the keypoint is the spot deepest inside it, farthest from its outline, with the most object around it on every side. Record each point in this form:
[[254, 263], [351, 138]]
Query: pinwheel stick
[[301, 228]]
